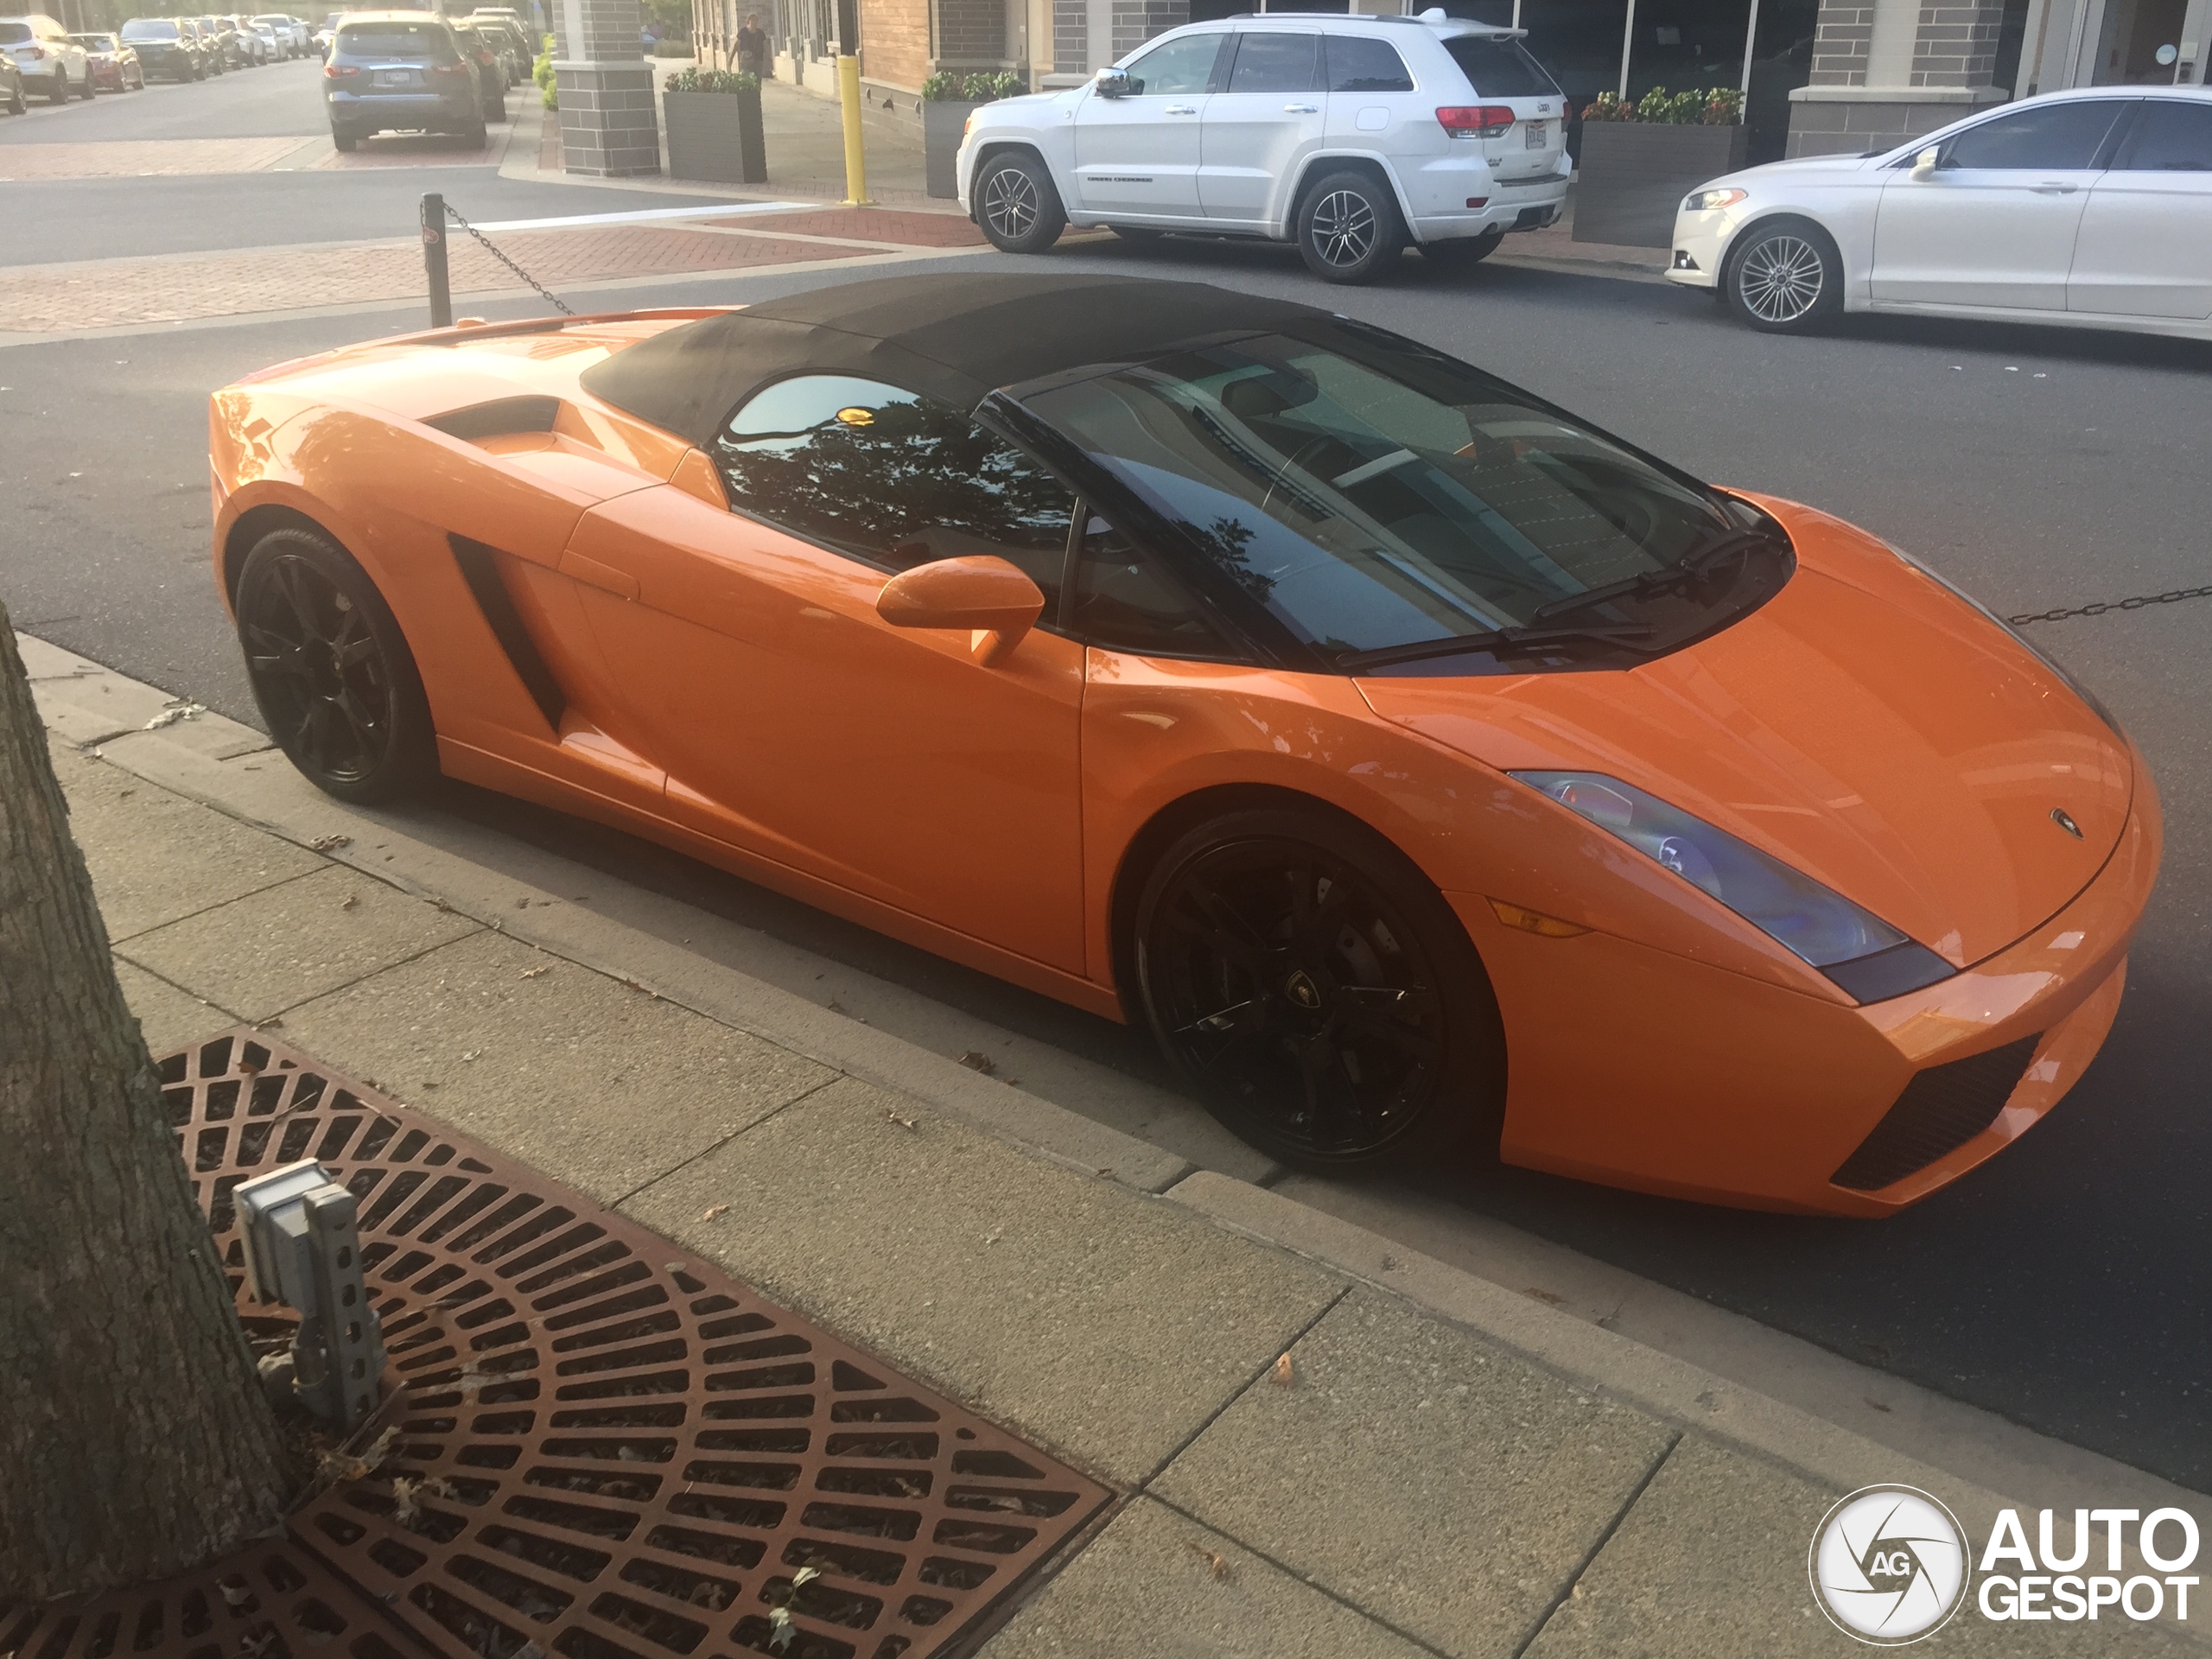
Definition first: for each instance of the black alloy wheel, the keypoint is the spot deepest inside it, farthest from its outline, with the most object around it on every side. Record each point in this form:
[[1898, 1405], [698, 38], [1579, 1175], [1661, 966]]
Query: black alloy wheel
[[1318, 993], [331, 670], [1016, 205], [1348, 228], [92, 90], [1784, 275], [59, 93]]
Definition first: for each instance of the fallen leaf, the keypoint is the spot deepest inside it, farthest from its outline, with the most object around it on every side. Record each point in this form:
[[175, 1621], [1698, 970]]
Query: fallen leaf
[[1876, 1404], [330, 843], [177, 710], [975, 1061], [234, 1595], [780, 1628], [805, 1576], [533, 973], [1286, 1374], [472, 1054], [903, 1123], [713, 1209], [1550, 1298], [1216, 1563], [351, 899]]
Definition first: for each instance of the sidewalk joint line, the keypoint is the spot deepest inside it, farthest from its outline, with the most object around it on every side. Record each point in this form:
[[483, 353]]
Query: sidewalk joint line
[[709, 1150], [1306, 1579], [182, 991], [1238, 1393], [408, 961], [1635, 1497]]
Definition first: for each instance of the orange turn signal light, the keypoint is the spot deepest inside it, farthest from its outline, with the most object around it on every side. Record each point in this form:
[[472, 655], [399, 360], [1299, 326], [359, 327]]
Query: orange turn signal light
[[1535, 921]]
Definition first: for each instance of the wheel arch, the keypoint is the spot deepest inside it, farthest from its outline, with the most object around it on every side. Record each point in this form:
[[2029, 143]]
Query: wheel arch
[[989, 146], [256, 522], [1801, 215], [1357, 161]]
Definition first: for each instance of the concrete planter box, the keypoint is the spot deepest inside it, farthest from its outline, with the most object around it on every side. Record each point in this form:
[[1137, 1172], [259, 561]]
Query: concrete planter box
[[943, 124], [716, 137], [1634, 175]]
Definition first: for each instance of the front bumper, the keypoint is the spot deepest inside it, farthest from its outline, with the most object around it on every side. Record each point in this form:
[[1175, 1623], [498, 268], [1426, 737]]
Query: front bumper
[[1698, 1083], [1700, 243]]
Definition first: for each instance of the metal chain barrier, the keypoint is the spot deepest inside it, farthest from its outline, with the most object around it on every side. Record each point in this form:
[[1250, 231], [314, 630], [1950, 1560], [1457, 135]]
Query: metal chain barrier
[[2137, 603], [544, 293]]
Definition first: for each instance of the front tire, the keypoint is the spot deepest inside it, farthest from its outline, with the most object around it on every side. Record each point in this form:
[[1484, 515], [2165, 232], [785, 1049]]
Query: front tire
[[1017, 206], [1784, 277], [1348, 228], [331, 671], [1318, 994]]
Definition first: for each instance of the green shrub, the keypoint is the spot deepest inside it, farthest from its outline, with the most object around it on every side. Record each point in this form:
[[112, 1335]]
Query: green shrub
[[978, 86], [943, 88], [1607, 106], [695, 79], [1719, 106]]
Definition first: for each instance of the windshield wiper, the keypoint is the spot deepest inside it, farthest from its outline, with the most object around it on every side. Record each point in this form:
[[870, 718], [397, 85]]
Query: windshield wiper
[[1629, 634], [1695, 566]]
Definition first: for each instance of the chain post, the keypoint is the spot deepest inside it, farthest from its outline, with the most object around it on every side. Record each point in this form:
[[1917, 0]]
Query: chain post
[[434, 260]]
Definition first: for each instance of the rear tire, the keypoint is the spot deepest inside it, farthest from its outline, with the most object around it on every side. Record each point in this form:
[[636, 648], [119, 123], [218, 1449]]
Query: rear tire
[[342, 140], [91, 90], [1784, 277], [331, 671], [1317, 992], [476, 138], [59, 93], [1017, 205], [1348, 228]]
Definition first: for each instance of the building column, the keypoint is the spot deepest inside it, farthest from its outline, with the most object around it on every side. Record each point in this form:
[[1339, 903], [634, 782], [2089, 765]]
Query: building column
[[609, 124], [1887, 71]]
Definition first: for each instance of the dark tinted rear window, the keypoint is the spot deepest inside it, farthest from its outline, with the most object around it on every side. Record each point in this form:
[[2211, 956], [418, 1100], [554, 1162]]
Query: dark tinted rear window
[[422, 41], [2058, 137], [2170, 137], [1361, 65], [1500, 68], [149, 29], [12, 34]]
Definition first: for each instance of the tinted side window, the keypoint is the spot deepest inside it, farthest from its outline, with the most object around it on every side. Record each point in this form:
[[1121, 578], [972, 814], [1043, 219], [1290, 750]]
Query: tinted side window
[[1181, 68], [1360, 64], [2055, 137], [2170, 137], [1274, 63], [1125, 601], [875, 472], [1500, 68]]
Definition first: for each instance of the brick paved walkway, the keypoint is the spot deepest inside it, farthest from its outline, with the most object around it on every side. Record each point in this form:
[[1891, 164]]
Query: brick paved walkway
[[144, 158]]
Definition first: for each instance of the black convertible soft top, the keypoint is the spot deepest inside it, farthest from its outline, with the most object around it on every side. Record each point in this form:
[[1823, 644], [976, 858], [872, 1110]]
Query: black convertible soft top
[[951, 338]]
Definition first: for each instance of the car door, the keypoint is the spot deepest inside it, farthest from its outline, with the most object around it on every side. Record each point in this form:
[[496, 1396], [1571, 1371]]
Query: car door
[[797, 725], [1263, 123], [2145, 248], [1137, 156], [1993, 223], [1370, 92]]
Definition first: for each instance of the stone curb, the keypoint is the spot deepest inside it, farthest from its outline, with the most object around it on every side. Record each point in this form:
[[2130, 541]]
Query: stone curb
[[206, 758]]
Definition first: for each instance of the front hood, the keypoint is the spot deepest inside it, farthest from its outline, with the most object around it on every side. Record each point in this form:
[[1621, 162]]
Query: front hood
[[1865, 726], [1803, 167]]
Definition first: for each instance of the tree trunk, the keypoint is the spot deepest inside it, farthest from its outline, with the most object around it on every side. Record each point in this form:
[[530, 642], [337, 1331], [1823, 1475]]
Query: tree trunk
[[134, 1440]]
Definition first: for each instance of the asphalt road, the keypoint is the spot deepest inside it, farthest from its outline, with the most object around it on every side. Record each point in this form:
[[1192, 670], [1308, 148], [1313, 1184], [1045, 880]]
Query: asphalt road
[[2064, 1284]]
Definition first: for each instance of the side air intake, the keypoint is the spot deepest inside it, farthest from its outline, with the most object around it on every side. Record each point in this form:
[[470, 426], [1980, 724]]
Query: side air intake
[[498, 418], [1941, 1109], [480, 569]]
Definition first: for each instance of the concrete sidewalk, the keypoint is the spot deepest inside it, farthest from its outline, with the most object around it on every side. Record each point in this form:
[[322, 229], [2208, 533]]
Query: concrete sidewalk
[[1322, 1443]]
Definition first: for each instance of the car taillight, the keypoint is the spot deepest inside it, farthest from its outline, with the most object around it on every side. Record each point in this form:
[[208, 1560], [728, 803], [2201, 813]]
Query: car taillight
[[450, 69], [338, 71], [35, 53], [1476, 121]]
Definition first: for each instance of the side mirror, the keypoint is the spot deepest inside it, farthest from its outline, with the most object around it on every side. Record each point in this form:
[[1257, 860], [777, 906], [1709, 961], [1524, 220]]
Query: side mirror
[[981, 593], [1112, 83], [1923, 165]]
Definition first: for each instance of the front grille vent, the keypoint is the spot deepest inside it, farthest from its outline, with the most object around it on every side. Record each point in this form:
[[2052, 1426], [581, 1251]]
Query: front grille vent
[[1941, 1109]]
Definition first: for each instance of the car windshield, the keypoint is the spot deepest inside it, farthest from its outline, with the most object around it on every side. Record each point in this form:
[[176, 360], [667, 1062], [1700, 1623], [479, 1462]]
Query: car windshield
[[415, 40], [149, 29], [1498, 69], [1385, 502]]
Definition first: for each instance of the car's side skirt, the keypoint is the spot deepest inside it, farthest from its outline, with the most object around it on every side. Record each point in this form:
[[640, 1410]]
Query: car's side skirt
[[509, 777], [2178, 327]]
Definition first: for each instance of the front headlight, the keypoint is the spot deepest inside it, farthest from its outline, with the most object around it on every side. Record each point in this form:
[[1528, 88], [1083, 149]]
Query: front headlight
[[1705, 200], [1860, 952]]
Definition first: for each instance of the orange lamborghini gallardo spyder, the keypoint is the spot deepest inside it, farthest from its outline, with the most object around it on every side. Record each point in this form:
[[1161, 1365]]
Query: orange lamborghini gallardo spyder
[[1422, 765]]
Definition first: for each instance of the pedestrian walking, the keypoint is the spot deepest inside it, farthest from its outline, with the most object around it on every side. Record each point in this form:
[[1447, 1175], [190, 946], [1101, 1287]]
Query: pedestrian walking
[[753, 47]]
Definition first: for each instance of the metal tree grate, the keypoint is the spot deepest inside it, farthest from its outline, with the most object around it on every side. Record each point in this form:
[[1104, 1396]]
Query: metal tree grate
[[600, 1450]]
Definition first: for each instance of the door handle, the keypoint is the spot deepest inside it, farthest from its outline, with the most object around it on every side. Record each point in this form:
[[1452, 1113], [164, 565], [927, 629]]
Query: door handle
[[2055, 188], [1302, 108], [1180, 109]]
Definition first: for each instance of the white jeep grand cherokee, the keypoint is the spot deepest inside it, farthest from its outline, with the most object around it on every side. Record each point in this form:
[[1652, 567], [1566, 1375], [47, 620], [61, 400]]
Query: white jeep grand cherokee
[[1350, 135]]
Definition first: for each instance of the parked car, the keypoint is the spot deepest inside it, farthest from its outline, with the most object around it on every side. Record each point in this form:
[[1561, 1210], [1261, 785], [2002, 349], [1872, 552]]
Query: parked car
[[2090, 208], [11, 87], [206, 48], [401, 72], [255, 50], [491, 67], [1363, 725], [114, 61], [272, 45], [236, 50], [513, 40], [1349, 136], [164, 47], [291, 33], [324, 35], [51, 63]]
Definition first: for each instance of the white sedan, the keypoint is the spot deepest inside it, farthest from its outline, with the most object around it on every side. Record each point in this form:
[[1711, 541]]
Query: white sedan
[[2090, 207]]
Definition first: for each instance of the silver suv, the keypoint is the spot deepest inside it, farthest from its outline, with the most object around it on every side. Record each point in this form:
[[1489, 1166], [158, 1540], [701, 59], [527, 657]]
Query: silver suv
[[1351, 136]]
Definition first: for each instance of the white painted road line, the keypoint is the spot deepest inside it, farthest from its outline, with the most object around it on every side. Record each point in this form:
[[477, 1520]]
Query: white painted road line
[[727, 209]]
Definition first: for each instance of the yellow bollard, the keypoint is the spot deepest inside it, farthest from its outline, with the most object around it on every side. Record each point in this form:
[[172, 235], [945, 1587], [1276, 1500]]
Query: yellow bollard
[[848, 97]]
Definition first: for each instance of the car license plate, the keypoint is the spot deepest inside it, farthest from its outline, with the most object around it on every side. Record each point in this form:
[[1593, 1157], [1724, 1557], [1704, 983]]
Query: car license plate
[[395, 77], [1535, 131]]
